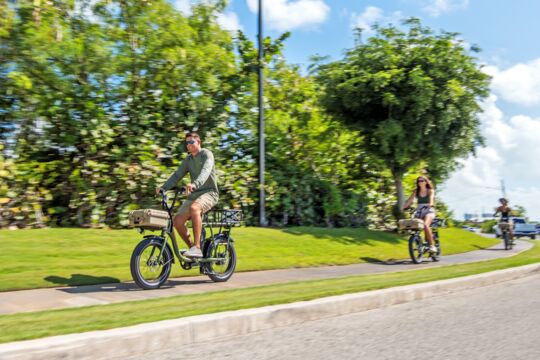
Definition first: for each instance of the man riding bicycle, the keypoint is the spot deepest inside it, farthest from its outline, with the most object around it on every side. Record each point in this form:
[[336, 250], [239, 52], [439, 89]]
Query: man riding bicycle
[[505, 212], [202, 193]]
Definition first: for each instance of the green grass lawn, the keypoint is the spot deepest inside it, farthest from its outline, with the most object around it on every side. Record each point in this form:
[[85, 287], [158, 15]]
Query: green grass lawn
[[25, 326], [57, 257]]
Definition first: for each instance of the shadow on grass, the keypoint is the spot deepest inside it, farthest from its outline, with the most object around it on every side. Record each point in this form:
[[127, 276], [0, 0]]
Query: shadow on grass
[[347, 236], [80, 279]]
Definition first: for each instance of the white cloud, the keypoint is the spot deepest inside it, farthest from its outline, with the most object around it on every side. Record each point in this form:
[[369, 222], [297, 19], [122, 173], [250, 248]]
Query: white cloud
[[438, 7], [184, 6], [373, 15], [229, 21], [370, 16], [511, 153], [284, 15], [518, 84], [84, 9]]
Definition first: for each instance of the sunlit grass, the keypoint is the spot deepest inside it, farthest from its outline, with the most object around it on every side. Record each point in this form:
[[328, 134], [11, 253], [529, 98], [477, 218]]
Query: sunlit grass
[[56, 257], [57, 322]]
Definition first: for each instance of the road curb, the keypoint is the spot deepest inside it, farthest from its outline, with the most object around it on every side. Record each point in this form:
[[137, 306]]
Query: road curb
[[139, 339]]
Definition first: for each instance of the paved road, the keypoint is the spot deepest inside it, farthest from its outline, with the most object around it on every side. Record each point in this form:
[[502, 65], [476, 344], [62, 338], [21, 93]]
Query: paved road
[[495, 322], [55, 298]]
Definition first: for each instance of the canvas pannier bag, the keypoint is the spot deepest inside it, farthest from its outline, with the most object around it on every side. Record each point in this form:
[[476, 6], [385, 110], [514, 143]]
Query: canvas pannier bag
[[504, 225], [411, 224], [148, 219]]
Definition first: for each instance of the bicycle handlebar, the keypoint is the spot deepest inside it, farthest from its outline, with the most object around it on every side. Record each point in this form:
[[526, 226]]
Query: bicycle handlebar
[[164, 198]]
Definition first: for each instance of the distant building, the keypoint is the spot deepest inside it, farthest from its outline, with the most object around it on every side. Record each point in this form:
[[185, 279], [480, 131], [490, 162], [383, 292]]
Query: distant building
[[478, 218], [469, 217]]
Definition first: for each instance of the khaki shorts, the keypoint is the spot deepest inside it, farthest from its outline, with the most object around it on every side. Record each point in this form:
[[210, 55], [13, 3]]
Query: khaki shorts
[[207, 201]]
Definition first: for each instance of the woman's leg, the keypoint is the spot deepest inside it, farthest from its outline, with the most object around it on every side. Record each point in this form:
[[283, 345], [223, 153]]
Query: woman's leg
[[428, 219]]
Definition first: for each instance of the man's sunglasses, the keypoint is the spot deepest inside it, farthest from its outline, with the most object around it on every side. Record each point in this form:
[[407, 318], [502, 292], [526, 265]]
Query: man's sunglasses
[[191, 142]]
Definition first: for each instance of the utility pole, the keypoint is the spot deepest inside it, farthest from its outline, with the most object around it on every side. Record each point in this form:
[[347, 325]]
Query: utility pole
[[262, 214], [503, 189]]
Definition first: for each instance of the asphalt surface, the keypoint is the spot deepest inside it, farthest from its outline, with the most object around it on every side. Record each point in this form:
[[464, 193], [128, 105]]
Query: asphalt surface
[[495, 322], [65, 297]]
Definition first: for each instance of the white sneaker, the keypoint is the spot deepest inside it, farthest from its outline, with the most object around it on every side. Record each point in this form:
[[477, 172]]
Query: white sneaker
[[193, 252], [433, 249]]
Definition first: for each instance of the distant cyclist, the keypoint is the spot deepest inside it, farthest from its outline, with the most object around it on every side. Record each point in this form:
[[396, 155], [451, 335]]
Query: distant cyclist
[[505, 212], [425, 197], [202, 191]]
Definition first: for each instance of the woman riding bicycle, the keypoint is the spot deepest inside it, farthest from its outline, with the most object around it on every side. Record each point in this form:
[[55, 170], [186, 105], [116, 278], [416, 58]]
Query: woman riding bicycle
[[425, 196]]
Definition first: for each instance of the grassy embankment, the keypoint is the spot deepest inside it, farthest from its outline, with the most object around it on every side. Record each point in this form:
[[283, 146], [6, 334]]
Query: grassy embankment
[[57, 257]]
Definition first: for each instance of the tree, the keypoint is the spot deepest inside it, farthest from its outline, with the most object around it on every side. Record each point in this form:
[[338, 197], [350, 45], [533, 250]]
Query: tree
[[96, 91], [519, 211], [413, 95]]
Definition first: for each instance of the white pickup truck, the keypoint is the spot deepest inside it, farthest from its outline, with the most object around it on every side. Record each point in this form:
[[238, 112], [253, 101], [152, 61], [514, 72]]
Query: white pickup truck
[[521, 228]]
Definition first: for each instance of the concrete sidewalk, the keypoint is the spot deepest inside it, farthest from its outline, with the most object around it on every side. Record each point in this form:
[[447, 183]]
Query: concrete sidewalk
[[56, 298]]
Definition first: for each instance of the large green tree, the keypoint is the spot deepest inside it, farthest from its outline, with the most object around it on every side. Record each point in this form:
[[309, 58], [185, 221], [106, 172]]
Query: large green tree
[[413, 93], [98, 91]]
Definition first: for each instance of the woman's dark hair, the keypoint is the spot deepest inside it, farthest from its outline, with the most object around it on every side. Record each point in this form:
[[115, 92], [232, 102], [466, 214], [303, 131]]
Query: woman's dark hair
[[428, 183], [503, 200]]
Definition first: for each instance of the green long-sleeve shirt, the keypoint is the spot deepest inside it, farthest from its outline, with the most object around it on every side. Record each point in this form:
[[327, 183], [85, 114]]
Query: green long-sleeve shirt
[[201, 169]]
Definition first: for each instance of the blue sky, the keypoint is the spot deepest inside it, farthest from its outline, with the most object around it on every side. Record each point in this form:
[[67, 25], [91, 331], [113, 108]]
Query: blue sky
[[506, 31]]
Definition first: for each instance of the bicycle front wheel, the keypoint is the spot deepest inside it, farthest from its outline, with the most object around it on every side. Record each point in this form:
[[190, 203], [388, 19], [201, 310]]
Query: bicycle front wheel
[[507, 241], [223, 269], [147, 270], [416, 248]]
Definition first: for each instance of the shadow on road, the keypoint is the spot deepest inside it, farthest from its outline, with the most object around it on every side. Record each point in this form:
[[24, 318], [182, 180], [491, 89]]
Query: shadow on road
[[80, 279], [489, 249], [389, 261], [110, 284]]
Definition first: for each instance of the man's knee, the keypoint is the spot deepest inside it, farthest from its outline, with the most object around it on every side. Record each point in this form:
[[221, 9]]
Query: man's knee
[[195, 209], [180, 220]]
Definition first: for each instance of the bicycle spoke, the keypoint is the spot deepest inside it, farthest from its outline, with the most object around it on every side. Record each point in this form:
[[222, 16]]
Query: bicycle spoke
[[149, 265]]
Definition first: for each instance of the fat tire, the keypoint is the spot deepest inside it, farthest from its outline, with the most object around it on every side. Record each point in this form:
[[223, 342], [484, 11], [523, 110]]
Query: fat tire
[[437, 257], [230, 269], [507, 242], [134, 264], [414, 240]]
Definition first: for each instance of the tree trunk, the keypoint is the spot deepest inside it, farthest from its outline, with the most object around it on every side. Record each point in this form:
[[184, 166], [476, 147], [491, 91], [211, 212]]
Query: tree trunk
[[398, 213]]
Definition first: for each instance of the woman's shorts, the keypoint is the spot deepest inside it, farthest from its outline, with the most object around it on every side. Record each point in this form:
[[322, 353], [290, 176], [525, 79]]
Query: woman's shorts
[[424, 210], [206, 200]]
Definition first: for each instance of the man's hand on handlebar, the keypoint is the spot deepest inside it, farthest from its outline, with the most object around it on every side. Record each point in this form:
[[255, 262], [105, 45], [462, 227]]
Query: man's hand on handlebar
[[190, 188], [159, 190]]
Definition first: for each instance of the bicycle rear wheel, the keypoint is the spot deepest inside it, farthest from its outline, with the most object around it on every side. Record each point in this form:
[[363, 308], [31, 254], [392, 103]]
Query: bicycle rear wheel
[[416, 248], [222, 270], [147, 271], [437, 256]]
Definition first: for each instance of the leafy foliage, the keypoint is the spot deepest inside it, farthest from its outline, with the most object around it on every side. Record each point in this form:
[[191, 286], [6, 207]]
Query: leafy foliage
[[413, 95], [94, 94]]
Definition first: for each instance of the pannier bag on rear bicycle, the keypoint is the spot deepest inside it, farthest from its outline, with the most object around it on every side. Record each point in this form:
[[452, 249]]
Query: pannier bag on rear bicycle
[[504, 225], [149, 219], [411, 224]]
